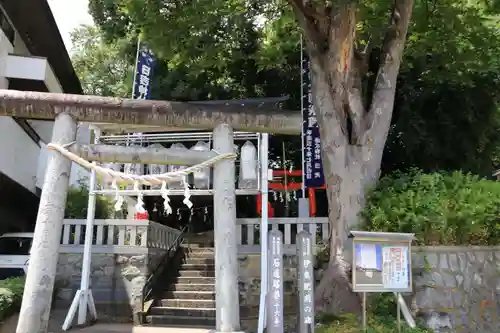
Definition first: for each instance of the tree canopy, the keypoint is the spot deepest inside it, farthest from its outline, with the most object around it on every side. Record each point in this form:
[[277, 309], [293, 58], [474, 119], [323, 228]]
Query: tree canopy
[[447, 98], [434, 106]]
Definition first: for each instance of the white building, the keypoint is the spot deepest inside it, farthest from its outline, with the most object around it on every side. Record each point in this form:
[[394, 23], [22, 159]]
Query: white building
[[32, 58]]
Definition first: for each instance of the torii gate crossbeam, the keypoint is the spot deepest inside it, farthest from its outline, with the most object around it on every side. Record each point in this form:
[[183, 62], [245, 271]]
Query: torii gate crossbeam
[[97, 109]]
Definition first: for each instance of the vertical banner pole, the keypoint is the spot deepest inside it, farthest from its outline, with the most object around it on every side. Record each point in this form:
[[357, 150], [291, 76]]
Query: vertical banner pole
[[312, 166], [303, 201], [264, 183], [305, 261], [143, 75], [136, 65], [302, 110]]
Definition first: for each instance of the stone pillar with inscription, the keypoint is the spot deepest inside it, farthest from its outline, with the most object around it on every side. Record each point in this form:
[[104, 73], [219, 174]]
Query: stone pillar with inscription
[[227, 300], [305, 270], [39, 286], [275, 291]]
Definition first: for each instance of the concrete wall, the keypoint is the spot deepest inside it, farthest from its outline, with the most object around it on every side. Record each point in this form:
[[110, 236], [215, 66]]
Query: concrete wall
[[5, 48], [20, 154], [454, 287]]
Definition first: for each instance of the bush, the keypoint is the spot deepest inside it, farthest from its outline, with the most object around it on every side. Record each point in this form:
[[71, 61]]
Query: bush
[[440, 208], [351, 324], [11, 294], [77, 204]]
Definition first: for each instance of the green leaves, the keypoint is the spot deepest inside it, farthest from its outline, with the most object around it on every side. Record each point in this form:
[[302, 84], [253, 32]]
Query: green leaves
[[77, 204], [440, 208], [103, 68], [11, 294]]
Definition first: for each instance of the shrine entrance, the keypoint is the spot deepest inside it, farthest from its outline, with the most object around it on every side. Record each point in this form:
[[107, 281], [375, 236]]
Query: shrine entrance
[[140, 116]]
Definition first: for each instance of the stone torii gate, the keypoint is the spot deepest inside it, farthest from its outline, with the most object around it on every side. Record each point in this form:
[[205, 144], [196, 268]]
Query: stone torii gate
[[67, 110]]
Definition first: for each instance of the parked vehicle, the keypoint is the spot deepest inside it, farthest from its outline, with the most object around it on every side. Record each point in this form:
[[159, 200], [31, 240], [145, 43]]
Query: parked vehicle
[[14, 254]]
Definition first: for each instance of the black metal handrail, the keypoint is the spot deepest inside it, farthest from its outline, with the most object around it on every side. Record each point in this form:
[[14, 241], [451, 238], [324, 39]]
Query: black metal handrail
[[150, 283]]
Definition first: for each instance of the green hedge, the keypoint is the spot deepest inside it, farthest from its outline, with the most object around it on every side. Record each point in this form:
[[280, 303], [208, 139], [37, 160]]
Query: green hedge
[[440, 208], [11, 294], [351, 324]]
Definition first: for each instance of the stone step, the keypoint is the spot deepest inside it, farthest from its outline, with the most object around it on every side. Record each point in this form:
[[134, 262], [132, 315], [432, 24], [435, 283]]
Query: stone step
[[190, 295], [181, 322], [194, 273], [198, 246], [199, 261], [197, 267], [187, 303], [182, 312], [197, 254], [196, 280], [245, 311], [193, 287]]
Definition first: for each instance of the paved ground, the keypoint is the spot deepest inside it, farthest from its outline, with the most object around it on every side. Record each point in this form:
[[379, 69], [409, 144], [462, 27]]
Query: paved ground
[[9, 326]]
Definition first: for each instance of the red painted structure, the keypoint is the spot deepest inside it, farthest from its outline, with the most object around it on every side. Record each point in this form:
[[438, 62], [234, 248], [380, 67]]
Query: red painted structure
[[291, 186]]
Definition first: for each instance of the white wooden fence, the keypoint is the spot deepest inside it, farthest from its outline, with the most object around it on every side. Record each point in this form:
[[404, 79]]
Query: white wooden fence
[[248, 232], [117, 236], [137, 236]]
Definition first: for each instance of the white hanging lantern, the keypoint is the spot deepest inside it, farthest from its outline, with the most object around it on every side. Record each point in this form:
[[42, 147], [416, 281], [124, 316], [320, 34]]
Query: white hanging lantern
[[156, 169], [201, 178], [248, 166], [176, 184]]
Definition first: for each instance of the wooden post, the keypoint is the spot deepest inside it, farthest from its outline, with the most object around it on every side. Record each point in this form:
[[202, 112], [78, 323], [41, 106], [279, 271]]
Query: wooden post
[[37, 297], [226, 258]]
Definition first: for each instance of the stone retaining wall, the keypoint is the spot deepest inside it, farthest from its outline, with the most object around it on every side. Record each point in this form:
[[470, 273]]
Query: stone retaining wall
[[455, 288], [117, 280]]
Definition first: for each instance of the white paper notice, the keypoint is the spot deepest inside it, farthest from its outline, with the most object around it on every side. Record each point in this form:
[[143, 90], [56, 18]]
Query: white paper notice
[[367, 256], [395, 273]]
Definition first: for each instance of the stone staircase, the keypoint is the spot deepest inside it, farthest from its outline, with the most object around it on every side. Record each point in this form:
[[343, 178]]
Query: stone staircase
[[189, 301]]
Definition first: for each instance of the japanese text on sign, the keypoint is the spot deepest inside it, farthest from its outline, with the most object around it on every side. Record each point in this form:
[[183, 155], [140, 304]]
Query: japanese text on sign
[[395, 272], [275, 316], [144, 74], [313, 167], [306, 281]]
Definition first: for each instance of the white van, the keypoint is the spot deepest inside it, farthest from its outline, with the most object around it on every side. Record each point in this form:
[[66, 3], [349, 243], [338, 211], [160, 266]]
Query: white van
[[15, 254]]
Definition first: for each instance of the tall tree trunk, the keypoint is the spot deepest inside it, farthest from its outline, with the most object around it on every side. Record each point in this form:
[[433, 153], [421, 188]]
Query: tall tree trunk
[[353, 129]]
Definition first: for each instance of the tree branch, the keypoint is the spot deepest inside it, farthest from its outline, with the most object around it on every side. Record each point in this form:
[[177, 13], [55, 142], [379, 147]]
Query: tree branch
[[379, 116], [356, 112], [310, 19]]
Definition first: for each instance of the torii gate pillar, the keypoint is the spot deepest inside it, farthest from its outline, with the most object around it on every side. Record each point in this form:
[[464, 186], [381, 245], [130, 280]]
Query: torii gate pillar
[[227, 297], [39, 287]]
